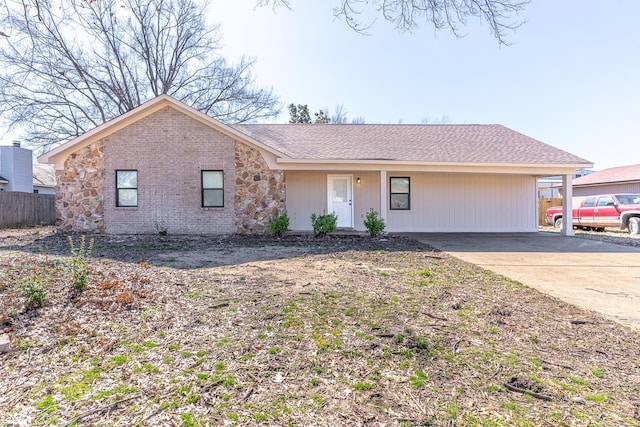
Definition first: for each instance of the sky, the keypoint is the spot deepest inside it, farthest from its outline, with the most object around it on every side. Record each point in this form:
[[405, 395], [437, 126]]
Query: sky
[[570, 78]]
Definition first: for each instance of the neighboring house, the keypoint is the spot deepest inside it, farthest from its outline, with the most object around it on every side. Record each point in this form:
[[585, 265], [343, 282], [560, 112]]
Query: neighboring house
[[621, 179], [19, 173], [16, 168], [549, 186], [167, 167], [44, 179]]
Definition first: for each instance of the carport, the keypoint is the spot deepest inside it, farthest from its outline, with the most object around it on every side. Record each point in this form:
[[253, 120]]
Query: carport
[[590, 274]]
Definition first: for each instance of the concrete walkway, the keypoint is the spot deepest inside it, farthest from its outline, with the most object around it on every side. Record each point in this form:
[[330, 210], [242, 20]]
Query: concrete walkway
[[594, 275]]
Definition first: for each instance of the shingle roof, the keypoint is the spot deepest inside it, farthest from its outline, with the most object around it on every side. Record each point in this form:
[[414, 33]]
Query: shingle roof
[[605, 176], [44, 175], [418, 143]]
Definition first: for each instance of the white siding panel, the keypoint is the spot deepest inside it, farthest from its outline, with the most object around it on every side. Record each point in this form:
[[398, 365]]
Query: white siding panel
[[366, 196], [467, 203], [439, 202], [307, 194]]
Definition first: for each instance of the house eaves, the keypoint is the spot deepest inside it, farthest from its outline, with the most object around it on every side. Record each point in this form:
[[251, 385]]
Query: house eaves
[[3, 180], [418, 166]]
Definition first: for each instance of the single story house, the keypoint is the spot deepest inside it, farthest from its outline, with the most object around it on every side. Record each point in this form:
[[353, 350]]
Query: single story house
[[165, 166], [621, 179]]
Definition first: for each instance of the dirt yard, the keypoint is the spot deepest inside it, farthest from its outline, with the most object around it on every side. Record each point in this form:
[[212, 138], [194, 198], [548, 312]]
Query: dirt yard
[[346, 330]]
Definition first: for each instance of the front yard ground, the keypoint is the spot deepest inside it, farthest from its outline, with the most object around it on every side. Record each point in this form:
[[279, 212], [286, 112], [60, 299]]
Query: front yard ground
[[345, 330]]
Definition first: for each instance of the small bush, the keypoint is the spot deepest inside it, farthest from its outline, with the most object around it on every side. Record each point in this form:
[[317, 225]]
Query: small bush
[[375, 225], [323, 224], [33, 290], [79, 266], [278, 224]]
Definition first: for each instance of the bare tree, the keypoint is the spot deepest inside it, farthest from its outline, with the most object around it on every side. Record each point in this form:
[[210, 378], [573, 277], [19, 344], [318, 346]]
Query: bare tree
[[408, 15], [442, 120], [69, 66], [339, 116]]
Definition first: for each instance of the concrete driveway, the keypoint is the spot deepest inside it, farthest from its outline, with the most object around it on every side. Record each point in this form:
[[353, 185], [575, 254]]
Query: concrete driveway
[[594, 275]]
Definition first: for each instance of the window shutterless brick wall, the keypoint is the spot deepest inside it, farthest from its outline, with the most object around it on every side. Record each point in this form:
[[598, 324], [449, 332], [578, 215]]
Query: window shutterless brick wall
[[169, 150]]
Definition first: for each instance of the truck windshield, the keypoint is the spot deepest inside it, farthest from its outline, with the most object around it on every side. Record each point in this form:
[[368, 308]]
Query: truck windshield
[[629, 199]]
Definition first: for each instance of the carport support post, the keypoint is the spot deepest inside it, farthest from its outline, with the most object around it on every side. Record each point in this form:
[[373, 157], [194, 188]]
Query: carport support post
[[567, 205]]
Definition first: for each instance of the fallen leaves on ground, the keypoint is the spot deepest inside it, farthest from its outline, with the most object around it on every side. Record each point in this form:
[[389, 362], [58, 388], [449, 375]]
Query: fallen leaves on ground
[[345, 330]]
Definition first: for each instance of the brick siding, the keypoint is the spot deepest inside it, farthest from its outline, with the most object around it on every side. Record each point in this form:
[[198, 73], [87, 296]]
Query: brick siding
[[169, 150]]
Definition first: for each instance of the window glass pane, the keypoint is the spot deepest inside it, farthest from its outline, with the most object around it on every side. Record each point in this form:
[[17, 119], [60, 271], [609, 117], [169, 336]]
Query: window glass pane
[[399, 201], [339, 190], [399, 185], [127, 179], [127, 197], [212, 179], [605, 201], [589, 202], [213, 198]]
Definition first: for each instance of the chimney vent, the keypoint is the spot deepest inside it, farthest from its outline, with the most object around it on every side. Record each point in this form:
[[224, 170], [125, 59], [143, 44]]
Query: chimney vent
[[16, 143]]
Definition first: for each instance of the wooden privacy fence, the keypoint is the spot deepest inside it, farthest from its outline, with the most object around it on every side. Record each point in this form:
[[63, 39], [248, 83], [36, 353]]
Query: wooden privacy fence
[[26, 209], [543, 205]]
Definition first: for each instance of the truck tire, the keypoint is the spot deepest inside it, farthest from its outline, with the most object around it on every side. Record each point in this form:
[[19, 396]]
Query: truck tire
[[558, 223], [634, 225]]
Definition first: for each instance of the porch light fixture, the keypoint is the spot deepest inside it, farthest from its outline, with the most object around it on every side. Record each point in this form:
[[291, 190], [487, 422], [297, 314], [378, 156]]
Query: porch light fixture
[[358, 180]]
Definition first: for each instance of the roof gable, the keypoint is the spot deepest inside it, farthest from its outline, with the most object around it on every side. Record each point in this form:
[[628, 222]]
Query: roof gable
[[58, 154]]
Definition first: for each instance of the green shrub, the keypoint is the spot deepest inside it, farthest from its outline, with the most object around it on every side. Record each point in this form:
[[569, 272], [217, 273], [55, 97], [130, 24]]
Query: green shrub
[[374, 225], [278, 224], [33, 290], [323, 224], [79, 266]]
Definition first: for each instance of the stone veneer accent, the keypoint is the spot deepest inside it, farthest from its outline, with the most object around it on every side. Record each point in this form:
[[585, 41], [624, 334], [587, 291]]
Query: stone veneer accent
[[80, 190], [260, 191]]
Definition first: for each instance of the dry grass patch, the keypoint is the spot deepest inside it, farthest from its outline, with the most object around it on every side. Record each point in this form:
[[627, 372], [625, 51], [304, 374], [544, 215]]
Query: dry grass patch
[[300, 331]]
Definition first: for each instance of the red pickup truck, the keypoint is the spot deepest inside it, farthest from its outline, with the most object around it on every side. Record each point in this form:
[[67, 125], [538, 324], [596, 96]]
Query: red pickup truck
[[597, 212]]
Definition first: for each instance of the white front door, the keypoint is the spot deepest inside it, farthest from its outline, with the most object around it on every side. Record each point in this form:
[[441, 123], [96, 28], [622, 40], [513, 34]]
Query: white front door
[[339, 199]]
